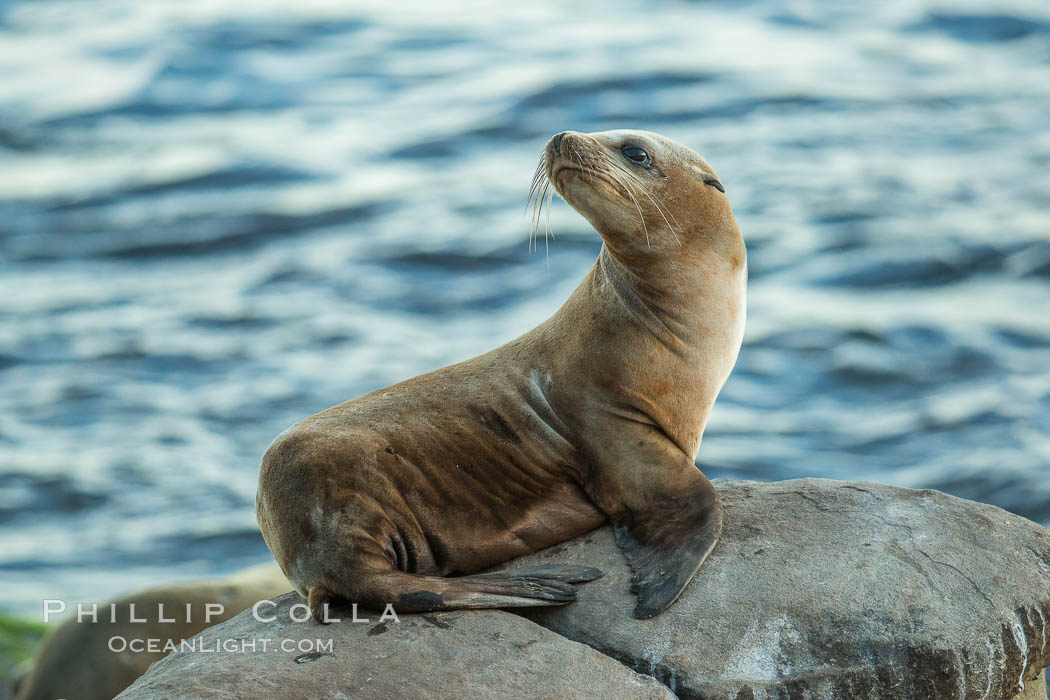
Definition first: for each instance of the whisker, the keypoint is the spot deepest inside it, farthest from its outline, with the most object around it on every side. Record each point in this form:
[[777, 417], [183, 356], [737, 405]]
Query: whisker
[[536, 178], [538, 190], [660, 210], [630, 193], [537, 211], [546, 232]]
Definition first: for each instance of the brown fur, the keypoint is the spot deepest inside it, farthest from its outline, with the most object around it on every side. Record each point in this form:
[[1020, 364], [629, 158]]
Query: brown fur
[[596, 413]]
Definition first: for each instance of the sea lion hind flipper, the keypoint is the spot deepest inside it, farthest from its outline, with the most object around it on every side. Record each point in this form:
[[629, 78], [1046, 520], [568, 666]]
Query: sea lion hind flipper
[[665, 546], [536, 586], [570, 573]]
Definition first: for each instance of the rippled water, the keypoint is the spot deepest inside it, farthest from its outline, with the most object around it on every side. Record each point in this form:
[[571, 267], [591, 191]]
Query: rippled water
[[218, 218]]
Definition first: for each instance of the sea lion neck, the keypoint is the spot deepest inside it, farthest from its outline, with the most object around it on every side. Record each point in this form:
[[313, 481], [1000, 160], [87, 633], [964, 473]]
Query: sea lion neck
[[638, 302], [661, 293]]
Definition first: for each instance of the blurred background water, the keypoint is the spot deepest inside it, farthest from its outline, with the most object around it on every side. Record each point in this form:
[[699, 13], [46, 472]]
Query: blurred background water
[[219, 218]]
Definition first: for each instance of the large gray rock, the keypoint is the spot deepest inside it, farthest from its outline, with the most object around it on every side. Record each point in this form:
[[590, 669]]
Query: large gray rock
[[825, 589], [482, 654]]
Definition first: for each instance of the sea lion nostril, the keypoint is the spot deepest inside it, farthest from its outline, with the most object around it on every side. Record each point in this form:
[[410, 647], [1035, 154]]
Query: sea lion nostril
[[557, 139]]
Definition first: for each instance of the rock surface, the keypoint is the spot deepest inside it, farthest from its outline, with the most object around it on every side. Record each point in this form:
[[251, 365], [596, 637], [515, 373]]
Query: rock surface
[[96, 660], [1034, 689], [482, 654], [826, 589]]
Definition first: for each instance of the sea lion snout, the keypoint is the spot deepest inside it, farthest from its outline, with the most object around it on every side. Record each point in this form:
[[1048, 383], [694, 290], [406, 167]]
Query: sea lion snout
[[559, 143]]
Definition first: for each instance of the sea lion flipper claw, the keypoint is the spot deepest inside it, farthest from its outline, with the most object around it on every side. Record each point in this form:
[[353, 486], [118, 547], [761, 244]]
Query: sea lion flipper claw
[[665, 546]]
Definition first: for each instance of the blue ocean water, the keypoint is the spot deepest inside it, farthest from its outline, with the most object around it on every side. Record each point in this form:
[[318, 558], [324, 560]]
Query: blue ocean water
[[219, 218]]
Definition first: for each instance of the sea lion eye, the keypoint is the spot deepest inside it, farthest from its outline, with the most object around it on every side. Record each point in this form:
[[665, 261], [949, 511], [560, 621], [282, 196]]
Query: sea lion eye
[[636, 155]]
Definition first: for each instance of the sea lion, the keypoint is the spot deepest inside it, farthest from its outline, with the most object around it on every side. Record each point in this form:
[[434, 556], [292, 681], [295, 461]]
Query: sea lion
[[597, 413], [82, 661]]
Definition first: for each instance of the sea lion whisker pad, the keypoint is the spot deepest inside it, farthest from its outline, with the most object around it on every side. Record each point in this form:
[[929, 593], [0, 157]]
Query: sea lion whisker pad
[[401, 496]]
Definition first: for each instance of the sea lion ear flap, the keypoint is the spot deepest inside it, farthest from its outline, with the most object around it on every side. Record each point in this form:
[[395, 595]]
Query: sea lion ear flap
[[710, 179]]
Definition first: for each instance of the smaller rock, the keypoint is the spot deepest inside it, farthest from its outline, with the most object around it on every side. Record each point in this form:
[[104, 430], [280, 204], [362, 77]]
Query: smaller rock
[[96, 660], [469, 654]]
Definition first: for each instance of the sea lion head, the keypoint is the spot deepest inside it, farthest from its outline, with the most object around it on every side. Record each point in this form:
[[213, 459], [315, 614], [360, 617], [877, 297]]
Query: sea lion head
[[644, 193]]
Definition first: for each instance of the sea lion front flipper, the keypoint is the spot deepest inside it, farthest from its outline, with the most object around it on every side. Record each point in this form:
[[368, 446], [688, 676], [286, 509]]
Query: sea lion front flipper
[[667, 539]]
